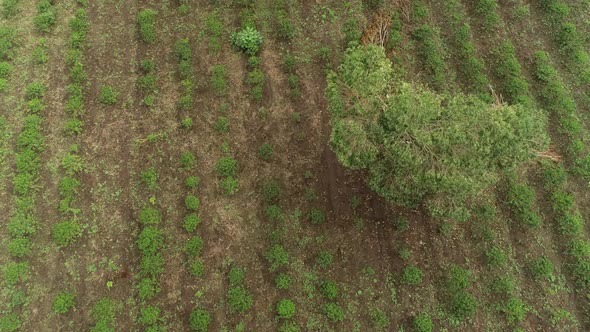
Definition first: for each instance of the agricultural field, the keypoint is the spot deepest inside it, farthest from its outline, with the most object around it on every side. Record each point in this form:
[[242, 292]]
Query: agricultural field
[[283, 165]]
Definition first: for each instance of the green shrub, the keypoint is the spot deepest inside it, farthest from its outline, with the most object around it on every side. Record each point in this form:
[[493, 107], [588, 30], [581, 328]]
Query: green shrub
[[187, 159], [255, 80], [316, 216], [286, 309], [15, 272], [579, 248], [487, 10], [5, 69], [7, 42], [495, 257], [459, 279], [150, 178], [274, 213], [412, 275], [265, 151], [581, 272], [147, 25], [324, 259], [66, 232], [222, 125], [104, 310], [192, 202], [352, 32], [503, 285], [289, 326], [329, 289], [423, 323], [282, 281], [150, 240], [562, 202], [149, 315], [219, 79], [108, 95], [379, 319], [192, 182], [247, 40], [463, 305], [542, 268], [150, 216], [10, 322], [46, 16], [199, 320], [230, 185], [236, 276], [226, 166], [152, 264], [9, 9], [571, 223], [334, 312], [63, 302], [515, 310], [147, 288], [73, 126], [521, 199], [239, 299], [197, 267], [191, 221], [186, 123], [35, 90], [19, 247], [277, 256], [271, 190], [194, 246]]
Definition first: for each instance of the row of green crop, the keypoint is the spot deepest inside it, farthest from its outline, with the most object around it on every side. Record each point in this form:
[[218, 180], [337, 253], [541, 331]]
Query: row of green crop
[[570, 42]]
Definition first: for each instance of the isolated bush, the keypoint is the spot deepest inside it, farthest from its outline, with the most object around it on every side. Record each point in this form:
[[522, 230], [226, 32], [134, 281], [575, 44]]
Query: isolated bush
[[149, 315], [495, 257], [271, 190], [265, 151], [286, 309], [199, 320], [239, 299], [282, 281], [197, 267], [104, 310], [411, 275], [191, 221], [247, 40], [147, 25], [423, 323], [108, 95], [194, 246], [542, 268], [324, 259], [15, 272], [277, 256], [579, 248], [334, 312], [187, 123], [230, 185], [152, 264], [316, 216], [150, 240], [236, 276], [274, 213], [147, 288], [19, 247], [192, 202], [63, 302], [192, 182], [222, 125], [66, 232], [150, 216], [10, 322], [329, 289], [226, 166], [503, 285], [515, 310], [35, 90], [463, 305]]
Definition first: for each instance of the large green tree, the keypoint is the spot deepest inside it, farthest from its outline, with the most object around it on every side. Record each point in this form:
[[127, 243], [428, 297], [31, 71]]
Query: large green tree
[[420, 147]]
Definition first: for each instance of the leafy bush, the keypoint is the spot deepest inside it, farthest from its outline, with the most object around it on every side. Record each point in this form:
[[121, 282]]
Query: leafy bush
[[199, 320], [487, 10], [289, 326], [579, 248], [412, 275], [379, 319], [503, 285], [515, 310], [334, 312], [277, 256], [316, 216], [423, 323], [191, 221], [192, 202], [230, 185], [66, 232], [324, 259], [7, 42], [192, 182], [46, 16], [108, 95], [63, 302], [286, 309], [247, 40], [282, 281], [571, 223], [428, 47], [521, 199], [226, 166], [265, 151], [194, 246], [542, 268], [19, 247], [9, 8], [147, 288], [222, 125], [271, 190], [463, 305], [35, 90], [239, 299], [15, 272], [236, 276], [197, 267], [152, 264], [147, 25], [10, 322], [150, 240], [329, 289], [255, 80], [187, 123], [150, 216], [104, 311], [274, 213], [459, 279], [150, 178], [149, 315], [495, 257]]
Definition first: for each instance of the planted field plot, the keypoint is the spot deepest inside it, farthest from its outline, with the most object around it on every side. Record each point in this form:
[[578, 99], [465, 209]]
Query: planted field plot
[[281, 165]]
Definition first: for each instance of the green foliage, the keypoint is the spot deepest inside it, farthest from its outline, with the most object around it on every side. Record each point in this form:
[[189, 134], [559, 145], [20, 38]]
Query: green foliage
[[230, 185], [329, 289], [411, 275], [316, 216], [334, 312], [147, 288], [495, 256], [192, 182], [277, 256], [286, 309], [289, 326], [507, 69], [542, 268], [247, 40], [197, 267], [187, 159], [46, 16], [487, 10], [5, 69], [226, 166], [191, 222], [19, 247], [236, 276], [149, 315], [219, 79], [150, 216], [186, 123], [194, 246], [282, 281], [9, 9], [152, 264], [271, 190], [149, 177], [147, 25], [66, 232], [265, 152], [222, 125], [324, 259], [150, 240], [7, 42], [379, 319], [239, 299], [521, 199], [104, 311], [503, 285], [423, 323], [108, 95], [459, 279], [515, 310], [35, 90], [199, 320], [473, 145], [352, 32], [255, 80], [15, 272], [274, 213], [63, 302], [10, 322], [462, 305], [428, 49]]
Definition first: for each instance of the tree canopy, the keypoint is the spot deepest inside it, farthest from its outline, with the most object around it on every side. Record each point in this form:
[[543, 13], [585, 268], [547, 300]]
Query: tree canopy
[[420, 147]]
